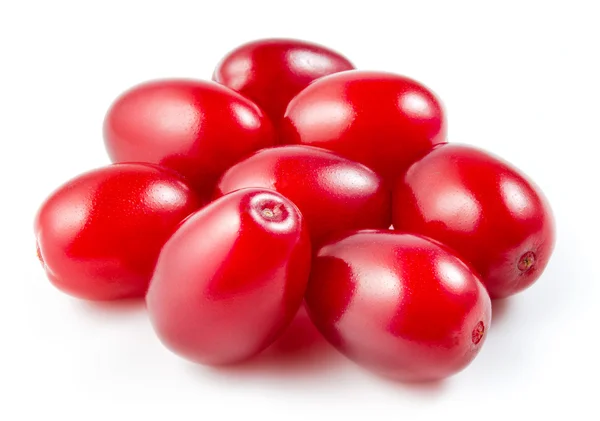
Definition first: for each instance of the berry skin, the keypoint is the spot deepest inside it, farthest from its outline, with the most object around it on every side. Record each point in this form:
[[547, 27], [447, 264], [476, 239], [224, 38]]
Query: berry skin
[[272, 71], [398, 304], [99, 235], [333, 193], [382, 120], [491, 214], [231, 278], [196, 128]]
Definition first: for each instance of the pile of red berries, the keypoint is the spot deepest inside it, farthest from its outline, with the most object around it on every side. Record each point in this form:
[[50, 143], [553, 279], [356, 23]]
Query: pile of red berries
[[232, 203]]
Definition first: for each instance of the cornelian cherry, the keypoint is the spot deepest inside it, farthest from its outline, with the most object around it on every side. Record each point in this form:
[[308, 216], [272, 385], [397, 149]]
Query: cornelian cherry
[[491, 214], [398, 304], [231, 278]]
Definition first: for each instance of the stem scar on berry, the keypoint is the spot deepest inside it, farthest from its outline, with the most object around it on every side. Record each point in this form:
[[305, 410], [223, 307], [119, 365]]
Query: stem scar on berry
[[527, 261]]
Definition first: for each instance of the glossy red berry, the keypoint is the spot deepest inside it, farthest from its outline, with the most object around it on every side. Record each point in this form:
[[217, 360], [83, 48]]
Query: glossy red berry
[[99, 235], [272, 71], [197, 128], [483, 208], [333, 193], [382, 120], [231, 278], [398, 304]]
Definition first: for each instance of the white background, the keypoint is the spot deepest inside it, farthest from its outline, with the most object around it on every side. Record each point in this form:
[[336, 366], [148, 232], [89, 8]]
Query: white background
[[520, 78]]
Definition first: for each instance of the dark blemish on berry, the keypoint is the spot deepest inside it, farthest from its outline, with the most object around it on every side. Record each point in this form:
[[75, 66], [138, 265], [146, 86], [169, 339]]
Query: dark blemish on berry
[[39, 254], [478, 332]]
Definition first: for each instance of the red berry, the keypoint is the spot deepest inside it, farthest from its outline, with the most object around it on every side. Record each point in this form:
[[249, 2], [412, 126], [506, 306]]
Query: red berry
[[272, 71], [99, 235], [483, 208], [333, 193], [382, 120], [231, 278], [398, 304], [197, 128]]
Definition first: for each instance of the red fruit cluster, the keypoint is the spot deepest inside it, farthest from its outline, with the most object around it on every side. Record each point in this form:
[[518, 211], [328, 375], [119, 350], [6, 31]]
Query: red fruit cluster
[[231, 203]]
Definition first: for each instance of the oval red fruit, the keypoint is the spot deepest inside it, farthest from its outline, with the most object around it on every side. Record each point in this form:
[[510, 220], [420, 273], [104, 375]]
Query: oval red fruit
[[99, 235], [483, 208], [197, 128], [231, 278], [398, 304], [272, 71], [383, 120], [333, 193]]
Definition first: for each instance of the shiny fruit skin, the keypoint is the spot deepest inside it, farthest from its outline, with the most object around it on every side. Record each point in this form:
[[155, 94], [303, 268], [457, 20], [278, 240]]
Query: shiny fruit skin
[[333, 193], [231, 278], [398, 304], [483, 208], [382, 120], [272, 71], [197, 128], [99, 235]]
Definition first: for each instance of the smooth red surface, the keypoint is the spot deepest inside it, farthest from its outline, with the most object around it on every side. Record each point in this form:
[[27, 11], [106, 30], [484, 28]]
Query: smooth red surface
[[231, 278], [398, 304], [272, 71], [99, 234], [333, 193], [197, 128], [383, 120], [484, 208]]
